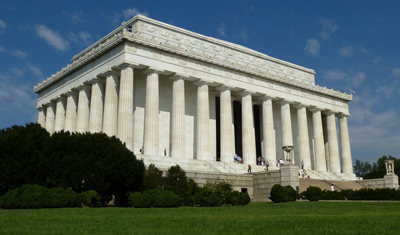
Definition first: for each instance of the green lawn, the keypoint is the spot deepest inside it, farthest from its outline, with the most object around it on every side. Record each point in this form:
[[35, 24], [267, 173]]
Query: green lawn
[[303, 218]]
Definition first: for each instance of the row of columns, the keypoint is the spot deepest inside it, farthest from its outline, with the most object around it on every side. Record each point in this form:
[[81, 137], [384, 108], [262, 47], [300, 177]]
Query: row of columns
[[107, 106]]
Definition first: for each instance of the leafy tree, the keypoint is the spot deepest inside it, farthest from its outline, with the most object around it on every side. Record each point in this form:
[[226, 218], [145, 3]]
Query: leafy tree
[[377, 169], [152, 178], [177, 181], [362, 168]]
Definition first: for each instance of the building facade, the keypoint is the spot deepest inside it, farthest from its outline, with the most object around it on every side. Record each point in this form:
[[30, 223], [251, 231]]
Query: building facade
[[173, 92]]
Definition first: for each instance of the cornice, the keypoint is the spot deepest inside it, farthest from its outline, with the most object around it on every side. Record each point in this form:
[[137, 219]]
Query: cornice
[[162, 36]]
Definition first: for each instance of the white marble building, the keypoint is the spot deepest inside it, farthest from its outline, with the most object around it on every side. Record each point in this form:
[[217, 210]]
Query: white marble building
[[158, 86]]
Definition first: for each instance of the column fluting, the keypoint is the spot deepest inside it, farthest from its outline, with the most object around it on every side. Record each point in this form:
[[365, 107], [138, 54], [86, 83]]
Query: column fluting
[[60, 113], [319, 154], [304, 142], [226, 128], [82, 119], [178, 146], [248, 134], [151, 117], [125, 106], [347, 166], [50, 117], [203, 122], [96, 106], [42, 116], [70, 116], [110, 119], [269, 144], [333, 142]]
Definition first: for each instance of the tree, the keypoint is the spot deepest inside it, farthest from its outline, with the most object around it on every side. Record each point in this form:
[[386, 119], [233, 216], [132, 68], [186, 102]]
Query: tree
[[152, 177], [362, 168], [377, 169]]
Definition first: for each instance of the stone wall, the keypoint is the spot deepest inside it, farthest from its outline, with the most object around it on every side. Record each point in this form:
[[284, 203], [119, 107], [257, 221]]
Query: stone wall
[[389, 181]]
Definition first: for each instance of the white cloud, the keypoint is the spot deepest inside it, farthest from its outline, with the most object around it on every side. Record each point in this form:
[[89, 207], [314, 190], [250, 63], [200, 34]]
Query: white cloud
[[386, 119], [328, 28], [222, 30], [2, 49], [83, 37], [243, 35], [396, 72], [358, 78], [131, 12], [334, 74], [76, 17], [52, 37], [19, 54], [377, 60], [17, 72], [386, 91], [346, 51], [312, 47], [3, 26], [35, 71], [15, 96]]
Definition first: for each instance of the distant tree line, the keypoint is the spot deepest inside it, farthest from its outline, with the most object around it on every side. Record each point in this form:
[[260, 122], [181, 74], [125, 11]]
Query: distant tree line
[[376, 169]]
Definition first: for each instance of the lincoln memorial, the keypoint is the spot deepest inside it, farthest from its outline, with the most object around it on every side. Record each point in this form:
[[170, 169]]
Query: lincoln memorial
[[189, 99]]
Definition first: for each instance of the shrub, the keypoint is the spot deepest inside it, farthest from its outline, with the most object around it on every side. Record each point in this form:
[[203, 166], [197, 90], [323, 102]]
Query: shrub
[[162, 198], [58, 197], [331, 195], [33, 197], [137, 200], [207, 198], [291, 193], [313, 193], [10, 200], [244, 198], [89, 199], [278, 194]]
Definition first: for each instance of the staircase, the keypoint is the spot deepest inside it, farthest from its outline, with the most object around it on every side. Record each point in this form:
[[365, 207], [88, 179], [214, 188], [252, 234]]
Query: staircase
[[326, 184]]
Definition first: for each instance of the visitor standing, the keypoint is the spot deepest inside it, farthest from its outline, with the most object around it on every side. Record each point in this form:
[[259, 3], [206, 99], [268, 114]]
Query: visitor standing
[[165, 152], [249, 169], [267, 165], [333, 187], [142, 150], [302, 165]]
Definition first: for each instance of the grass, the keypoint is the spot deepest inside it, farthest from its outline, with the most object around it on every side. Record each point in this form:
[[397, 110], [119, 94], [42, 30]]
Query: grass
[[255, 218]]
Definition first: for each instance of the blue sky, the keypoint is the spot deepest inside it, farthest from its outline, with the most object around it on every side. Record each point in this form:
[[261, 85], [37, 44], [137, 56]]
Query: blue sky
[[350, 45]]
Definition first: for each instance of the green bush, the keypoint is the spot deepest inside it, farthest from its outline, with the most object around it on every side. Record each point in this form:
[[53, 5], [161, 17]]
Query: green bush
[[313, 194], [137, 200], [291, 193], [331, 195], [278, 194], [58, 197], [89, 199], [33, 197], [207, 198], [10, 200], [244, 199]]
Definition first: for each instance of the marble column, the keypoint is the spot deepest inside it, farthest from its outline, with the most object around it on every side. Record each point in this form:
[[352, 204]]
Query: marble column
[[347, 166], [203, 122], [326, 143], [42, 116], [110, 118], [333, 142], [60, 113], [248, 134], [226, 130], [319, 154], [178, 146], [126, 105], [70, 115], [151, 116], [82, 119], [287, 136], [96, 105], [50, 116], [269, 144], [304, 142]]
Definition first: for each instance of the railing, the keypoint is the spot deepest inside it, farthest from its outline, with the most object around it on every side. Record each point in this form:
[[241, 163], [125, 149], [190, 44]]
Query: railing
[[230, 169], [317, 173]]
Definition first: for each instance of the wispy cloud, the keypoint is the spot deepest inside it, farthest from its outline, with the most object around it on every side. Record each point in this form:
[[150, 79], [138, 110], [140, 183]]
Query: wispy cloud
[[15, 96], [346, 51], [222, 30], [243, 35], [3, 26], [312, 47], [17, 72], [131, 12], [19, 54], [353, 79], [329, 27], [2, 49], [396, 72], [385, 91], [76, 17], [52, 37], [83, 37], [35, 71]]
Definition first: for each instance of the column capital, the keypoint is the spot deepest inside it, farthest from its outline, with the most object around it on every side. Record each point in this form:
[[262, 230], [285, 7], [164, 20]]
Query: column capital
[[151, 70], [178, 76], [50, 103], [300, 105], [83, 86], [60, 98], [342, 115], [329, 112], [111, 72], [225, 88], [127, 64], [97, 79], [71, 92], [284, 102], [41, 107], [268, 97], [315, 109], [246, 92], [202, 82]]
